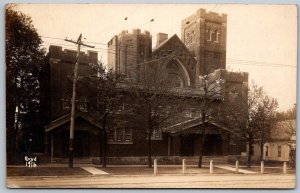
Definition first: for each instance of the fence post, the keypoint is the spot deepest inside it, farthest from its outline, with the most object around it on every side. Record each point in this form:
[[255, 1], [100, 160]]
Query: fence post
[[211, 167], [262, 167], [284, 168], [155, 166], [237, 166], [183, 166]]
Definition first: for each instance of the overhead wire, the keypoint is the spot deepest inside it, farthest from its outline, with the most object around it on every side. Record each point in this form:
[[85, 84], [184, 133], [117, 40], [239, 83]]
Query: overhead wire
[[233, 61]]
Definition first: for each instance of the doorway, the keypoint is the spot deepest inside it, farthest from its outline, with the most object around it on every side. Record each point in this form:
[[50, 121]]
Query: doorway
[[187, 146]]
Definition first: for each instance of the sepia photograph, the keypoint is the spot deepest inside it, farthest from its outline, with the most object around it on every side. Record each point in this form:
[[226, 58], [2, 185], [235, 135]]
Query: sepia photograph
[[194, 96]]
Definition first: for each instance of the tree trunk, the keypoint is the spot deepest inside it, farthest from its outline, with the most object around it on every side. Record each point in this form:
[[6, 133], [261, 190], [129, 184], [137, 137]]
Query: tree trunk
[[201, 145], [261, 151], [249, 153], [104, 142], [149, 149], [201, 151], [104, 148]]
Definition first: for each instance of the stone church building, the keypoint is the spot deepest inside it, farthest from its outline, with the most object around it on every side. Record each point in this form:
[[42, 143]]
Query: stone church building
[[200, 51]]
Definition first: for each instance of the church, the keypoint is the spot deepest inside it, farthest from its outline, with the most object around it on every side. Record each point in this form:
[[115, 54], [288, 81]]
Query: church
[[200, 52]]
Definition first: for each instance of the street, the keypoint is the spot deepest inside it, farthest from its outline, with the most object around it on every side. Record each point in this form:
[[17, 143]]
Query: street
[[152, 181]]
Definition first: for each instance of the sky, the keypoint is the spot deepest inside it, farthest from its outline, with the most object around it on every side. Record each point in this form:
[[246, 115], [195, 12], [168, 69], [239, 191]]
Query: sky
[[261, 39]]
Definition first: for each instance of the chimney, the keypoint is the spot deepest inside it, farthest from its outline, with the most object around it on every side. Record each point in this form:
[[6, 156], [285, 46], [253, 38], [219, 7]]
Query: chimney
[[161, 37]]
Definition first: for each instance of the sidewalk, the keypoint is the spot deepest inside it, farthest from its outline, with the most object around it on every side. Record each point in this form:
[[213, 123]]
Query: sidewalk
[[90, 169]]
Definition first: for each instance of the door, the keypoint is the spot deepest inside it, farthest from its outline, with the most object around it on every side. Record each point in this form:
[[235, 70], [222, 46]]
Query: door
[[82, 146], [187, 146]]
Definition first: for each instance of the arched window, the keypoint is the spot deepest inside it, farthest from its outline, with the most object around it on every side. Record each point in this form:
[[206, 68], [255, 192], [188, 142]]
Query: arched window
[[174, 81]]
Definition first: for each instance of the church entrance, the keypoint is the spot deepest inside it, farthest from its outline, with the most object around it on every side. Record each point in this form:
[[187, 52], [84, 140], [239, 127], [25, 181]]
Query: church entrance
[[82, 146], [213, 145], [187, 146]]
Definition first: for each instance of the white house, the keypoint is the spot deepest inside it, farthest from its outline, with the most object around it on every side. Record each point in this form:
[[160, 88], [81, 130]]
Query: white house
[[282, 142]]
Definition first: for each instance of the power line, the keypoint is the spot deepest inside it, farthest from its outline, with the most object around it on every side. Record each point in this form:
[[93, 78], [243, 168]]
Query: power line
[[92, 42], [251, 62], [217, 9], [213, 8], [134, 53]]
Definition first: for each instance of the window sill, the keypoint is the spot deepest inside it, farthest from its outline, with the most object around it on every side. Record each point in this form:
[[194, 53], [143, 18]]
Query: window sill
[[153, 139], [120, 143]]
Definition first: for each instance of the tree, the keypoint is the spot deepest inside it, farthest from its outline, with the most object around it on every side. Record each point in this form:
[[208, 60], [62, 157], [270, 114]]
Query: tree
[[265, 120], [287, 124], [211, 93], [289, 114], [24, 62], [252, 119], [150, 94], [105, 99]]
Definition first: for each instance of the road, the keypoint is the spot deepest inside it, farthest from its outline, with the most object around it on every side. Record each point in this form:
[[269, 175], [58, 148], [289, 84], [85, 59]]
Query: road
[[158, 181]]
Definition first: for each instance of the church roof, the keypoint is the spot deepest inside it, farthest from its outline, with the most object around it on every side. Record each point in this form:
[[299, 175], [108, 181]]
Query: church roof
[[66, 118], [169, 41], [190, 126]]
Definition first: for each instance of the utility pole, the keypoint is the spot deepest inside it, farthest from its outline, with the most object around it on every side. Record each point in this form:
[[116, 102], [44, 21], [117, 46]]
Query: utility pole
[[71, 141]]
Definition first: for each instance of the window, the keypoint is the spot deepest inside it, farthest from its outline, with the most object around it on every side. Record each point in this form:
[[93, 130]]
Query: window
[[209, 34], [66, 102], [82, 104], [187, 113], [233, 94], [267, 151], [217, 33], [120, 136], [168, 110], [279, 151], [121, 107], [190, 112], [156, 134], [124, 108]]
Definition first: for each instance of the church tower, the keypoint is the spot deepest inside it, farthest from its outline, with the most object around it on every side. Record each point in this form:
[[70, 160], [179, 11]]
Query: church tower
[[204, 34]]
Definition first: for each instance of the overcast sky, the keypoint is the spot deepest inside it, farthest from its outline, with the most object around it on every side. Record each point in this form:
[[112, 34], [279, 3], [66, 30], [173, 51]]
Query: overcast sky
[[261, 39]]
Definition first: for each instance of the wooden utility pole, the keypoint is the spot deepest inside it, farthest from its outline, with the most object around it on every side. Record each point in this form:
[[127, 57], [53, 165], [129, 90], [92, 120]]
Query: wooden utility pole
[[71, 142]]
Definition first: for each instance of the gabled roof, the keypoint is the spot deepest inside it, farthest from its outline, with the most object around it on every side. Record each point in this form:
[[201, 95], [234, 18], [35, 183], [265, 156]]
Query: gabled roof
[[171, 39], [185, 126], [66, 118]]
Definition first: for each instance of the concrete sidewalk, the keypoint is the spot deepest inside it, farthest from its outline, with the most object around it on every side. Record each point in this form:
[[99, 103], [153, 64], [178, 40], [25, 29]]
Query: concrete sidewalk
[[234, 169], [94, 171]]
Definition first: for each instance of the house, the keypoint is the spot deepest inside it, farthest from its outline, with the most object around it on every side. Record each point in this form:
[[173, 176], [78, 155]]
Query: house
[[281, 143]]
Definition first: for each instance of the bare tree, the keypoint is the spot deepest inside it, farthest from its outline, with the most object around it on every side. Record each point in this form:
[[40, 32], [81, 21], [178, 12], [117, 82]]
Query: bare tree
[[265, 120], [252, 118], [211, 92], [105, 99], [150, 93]]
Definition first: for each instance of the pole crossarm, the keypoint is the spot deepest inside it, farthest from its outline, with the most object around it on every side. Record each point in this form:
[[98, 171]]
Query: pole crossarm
[[79, 43]]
